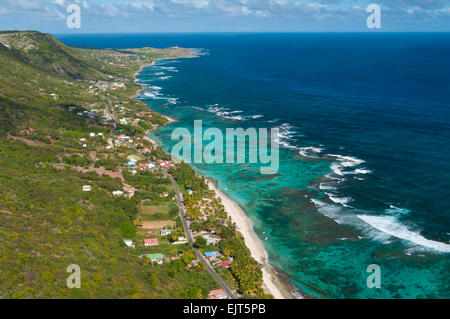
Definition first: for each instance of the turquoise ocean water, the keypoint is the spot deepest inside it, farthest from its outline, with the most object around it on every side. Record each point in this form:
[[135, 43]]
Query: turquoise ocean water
[[364, 148]]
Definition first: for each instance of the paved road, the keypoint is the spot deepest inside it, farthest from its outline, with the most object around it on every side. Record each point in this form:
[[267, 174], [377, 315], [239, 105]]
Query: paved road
[[190, 238]]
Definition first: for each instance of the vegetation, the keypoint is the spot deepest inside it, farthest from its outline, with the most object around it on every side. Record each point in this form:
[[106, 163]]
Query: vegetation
[[76, 182], [47, 221], [208, 214]]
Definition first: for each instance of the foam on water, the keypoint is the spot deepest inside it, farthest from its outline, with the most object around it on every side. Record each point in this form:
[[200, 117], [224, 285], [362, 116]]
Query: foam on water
[[336, 212], [227, 113], [310, 151], [342, 165], [389, 225], [380, 228], [339, 200], [285, 136], [324, 186], [319, 116], [154, 93], [168, 68]]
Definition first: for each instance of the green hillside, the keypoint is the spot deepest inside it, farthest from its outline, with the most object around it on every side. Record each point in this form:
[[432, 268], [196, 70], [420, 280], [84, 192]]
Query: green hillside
[[69, 129], [46, 221]]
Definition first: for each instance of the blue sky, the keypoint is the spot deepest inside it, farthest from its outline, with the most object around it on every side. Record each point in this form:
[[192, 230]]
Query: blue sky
[[128, 16]]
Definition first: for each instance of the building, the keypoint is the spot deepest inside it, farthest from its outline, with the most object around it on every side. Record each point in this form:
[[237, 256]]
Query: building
[[165, 164], [217, 294], [212, 255], [158, 258], [181, 240], [224, 264], [123, 137], [117, 193], [211, 240], [87, 188], [166, 232], [143, 166], [151, 242], [131, 164], [129, 243]]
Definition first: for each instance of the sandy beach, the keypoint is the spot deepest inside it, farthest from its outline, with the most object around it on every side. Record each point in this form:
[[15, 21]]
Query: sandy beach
[[171, 120], [272, 284]]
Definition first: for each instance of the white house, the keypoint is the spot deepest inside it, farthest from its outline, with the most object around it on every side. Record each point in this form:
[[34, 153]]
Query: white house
[[87, 188], [181, 240], [129, 243], [210, 240], [166, 232], [151, 242], [117, 193]]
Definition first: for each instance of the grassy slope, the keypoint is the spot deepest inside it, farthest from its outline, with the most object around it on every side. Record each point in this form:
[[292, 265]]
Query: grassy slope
[[46, 222]]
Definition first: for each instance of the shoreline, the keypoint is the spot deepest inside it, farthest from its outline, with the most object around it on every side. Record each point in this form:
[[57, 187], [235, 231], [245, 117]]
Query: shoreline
[[272, 282], [142, 67]]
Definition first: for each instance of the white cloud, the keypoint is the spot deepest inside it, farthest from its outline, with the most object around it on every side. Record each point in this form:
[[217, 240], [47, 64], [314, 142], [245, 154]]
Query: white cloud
[[131, 14], [28, 4], [59, 2]]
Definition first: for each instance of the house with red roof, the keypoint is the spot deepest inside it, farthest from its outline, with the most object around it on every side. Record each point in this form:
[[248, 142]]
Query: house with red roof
[[151, 242], [217, 294], [165, 164]]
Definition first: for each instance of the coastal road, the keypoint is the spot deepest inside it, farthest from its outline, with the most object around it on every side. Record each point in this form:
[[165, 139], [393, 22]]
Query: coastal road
[[190, 238]]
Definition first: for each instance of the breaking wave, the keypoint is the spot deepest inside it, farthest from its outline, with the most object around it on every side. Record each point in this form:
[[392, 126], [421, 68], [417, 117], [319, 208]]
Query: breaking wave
[[389, 225]]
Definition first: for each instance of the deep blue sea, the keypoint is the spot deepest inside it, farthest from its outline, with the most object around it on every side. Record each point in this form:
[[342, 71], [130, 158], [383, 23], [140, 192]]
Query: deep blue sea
[[364, 124]]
